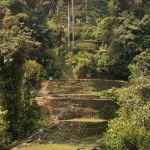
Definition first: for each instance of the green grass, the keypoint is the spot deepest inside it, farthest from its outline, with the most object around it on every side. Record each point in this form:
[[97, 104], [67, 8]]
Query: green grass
[[50, 147], [85, 120]]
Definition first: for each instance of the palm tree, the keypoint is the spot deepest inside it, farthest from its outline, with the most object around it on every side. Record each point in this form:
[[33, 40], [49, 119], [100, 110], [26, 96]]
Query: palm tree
[[69, 26], [73, 22], [86, 8]]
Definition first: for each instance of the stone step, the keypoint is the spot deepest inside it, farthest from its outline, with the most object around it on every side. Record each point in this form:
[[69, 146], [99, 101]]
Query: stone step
[[83, 127], [72, 108], [81, 85], [84, 102], [69, 99], [75, 96], [77, 91], [70, 96]]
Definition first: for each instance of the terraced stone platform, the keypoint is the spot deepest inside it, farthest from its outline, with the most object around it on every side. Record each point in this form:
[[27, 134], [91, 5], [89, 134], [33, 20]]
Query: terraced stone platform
[[79, 86], [83, 127], [74, 107], [70, 104]]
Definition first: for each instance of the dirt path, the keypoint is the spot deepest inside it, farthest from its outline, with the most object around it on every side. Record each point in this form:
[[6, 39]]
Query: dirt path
[[62, 70]]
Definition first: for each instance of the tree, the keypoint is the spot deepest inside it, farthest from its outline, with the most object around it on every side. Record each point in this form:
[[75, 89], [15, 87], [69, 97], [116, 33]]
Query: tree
[[86, 9], [4, 139], [34, 72], [123, 38], [15, 43], [138, 7], [73, 22], [69, 26], [131, 130]]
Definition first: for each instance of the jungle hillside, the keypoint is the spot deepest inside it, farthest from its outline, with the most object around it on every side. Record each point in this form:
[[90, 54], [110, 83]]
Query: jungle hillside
[[74, 75]]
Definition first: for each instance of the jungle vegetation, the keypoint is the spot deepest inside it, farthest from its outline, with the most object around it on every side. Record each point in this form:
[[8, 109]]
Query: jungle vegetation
[[116, 35]]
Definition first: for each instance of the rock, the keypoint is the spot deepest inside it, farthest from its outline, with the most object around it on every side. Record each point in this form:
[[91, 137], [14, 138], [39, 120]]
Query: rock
[[81, 149], [39, 139]]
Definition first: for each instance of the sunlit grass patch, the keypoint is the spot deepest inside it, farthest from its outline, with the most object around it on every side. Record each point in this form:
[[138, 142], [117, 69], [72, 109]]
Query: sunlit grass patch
[[85, 120], [50, 147]]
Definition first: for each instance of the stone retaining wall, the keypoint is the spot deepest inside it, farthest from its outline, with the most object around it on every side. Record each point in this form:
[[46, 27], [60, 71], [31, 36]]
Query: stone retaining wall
[[68, 109], [83, 128]]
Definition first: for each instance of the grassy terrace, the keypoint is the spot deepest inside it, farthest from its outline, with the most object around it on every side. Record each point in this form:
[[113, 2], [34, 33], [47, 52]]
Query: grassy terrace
[[50, 147], [85, 120]]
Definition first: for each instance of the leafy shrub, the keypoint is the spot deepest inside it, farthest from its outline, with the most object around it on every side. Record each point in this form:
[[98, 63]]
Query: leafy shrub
[[62, 51], [88, 33], [83, 63], [53, 69], [111, 93], [15, 43], [33, 71], [125, 135], [111, 67], [78, 33], [123, 37], [131, 130], [140, 65], [80, 15], [4, 139]]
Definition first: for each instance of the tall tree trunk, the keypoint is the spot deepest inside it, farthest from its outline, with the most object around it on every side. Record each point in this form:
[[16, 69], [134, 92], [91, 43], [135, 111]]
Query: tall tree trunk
[[86, 8], [73, 22], [69, 26]]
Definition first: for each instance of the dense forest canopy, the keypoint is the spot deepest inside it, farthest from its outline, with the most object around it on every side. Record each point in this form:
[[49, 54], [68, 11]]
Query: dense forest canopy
[[112, 40]]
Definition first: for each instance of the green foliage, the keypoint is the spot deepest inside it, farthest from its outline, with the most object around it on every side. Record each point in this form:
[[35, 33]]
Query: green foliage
[[88, 33], [96, 9], [53, 69], [55, 25], [34, 72], [3, 4], [123, 134], [84, 33], [48, 61], [62, 51], [123, 37], [111, 93], [132, 129], [140, 65], [138, 7], [34, 93], [105, 29], [128, 47], [4, 138], [101, 7], [80, 15], [15, 43], [82, 63]]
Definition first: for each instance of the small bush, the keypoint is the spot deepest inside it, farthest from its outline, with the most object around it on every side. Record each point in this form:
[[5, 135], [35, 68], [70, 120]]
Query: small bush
[[88, 33], [140, 65], [83, 63], [131, 130], [4, 138], [111, 93], [125, 135], [53, 69]]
